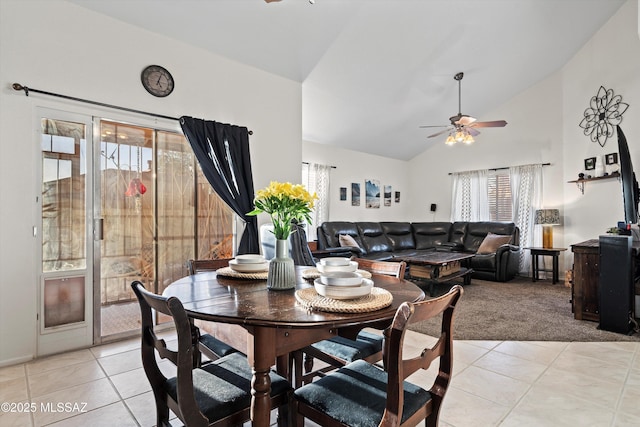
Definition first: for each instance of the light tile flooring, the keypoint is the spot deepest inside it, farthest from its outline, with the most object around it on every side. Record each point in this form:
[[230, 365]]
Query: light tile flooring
[[495, 383]]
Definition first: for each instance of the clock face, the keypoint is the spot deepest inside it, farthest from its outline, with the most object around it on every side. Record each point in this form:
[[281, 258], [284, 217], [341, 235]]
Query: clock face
[[157, 80]]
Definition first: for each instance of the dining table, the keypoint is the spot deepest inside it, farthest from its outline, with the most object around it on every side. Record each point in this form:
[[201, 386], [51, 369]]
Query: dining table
[[268, 325]]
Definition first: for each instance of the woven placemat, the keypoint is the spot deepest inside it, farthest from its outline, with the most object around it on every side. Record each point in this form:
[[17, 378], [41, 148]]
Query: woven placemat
[[378, 298], [313, 273], [229, 272]]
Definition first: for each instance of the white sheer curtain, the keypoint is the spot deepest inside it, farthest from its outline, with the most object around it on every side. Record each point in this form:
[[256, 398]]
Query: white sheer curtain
[[526, 196], [316, 178], [470, 201]]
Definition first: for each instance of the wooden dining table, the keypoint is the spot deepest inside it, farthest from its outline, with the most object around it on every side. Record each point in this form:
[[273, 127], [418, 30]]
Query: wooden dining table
[[268, 325]]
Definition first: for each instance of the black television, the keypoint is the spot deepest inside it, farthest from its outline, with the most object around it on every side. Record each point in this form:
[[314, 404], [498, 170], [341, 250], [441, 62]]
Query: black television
[[630, 190]]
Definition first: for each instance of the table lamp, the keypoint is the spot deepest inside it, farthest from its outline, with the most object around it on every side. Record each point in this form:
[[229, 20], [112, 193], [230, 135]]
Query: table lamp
[[547, 218]]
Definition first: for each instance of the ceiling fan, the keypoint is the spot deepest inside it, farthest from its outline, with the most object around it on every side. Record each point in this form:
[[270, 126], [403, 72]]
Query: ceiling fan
[[462, 127]]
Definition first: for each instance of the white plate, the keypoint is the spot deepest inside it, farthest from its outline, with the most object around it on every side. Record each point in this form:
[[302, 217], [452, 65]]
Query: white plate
[[352, 266], [335, 261], [248, 268], [344, 292], [250, 259], [341, 278]]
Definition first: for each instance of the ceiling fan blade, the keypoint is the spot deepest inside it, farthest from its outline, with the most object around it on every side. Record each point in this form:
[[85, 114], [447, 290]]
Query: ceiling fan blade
[[490, 124], [466, 120], [434, 126], [438, 133], [472, 131]]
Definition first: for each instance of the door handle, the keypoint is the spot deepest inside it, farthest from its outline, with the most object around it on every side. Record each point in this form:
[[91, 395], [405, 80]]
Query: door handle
[[98, 227]]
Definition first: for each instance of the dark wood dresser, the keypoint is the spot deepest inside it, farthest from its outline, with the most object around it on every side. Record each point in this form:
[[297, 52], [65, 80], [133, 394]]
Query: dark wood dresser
[[585, 289], [586, 275]]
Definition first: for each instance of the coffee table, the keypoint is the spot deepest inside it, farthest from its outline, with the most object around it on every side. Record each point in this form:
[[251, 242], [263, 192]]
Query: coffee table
[[438, 267]]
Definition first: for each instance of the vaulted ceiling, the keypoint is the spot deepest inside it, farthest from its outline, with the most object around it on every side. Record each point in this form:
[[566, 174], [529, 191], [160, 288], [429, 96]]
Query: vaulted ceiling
[[373, 71]]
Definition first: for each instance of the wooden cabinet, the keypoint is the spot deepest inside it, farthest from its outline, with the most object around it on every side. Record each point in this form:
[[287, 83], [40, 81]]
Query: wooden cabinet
[[586, 274]]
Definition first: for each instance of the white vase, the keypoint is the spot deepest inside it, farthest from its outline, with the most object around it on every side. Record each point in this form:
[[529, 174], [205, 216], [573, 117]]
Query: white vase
[[600, 168], [282, 272]]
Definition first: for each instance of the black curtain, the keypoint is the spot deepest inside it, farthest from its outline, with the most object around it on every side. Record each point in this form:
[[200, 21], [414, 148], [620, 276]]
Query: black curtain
[[223, 153]]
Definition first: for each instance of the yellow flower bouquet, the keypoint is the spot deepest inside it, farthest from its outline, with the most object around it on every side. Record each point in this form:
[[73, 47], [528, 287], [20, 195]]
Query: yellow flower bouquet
[[284, 202]]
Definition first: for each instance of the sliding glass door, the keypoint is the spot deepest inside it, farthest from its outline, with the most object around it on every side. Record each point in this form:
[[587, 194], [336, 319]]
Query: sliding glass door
[[155, 213], [119, 202]]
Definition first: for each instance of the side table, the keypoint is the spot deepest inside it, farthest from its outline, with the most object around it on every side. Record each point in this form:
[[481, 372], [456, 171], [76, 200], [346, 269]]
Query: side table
[[535, 266]]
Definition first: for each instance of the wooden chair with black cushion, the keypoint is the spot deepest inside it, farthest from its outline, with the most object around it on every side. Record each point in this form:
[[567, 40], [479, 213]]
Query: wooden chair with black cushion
[[216, 394], [338, 351], [210, 346], [198, 265], [363, 394]]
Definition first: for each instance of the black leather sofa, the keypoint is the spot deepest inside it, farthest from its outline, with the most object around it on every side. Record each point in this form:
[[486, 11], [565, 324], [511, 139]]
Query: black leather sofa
[[389, 240]]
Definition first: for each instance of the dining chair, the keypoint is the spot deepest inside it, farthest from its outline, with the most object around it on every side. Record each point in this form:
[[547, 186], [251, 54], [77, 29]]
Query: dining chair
[[210, 346], [198, 265], [363, 394], [338, 351], [214, 394]]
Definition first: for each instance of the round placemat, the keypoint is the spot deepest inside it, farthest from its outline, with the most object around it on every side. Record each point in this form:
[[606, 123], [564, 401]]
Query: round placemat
[[229, 272], [313, 273], [378, 298]]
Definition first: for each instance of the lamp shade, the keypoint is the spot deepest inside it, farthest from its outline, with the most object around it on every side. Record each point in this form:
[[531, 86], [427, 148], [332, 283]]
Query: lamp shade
[[548, 216]]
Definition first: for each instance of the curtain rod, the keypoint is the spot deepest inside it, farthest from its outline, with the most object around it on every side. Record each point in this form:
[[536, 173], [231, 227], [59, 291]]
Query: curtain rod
[[18, 87], [504, 167], [332, 167]]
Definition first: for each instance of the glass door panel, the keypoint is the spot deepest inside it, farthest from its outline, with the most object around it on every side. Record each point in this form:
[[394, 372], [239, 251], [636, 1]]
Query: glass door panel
[[157, 212], [65, 286], [126, 251]]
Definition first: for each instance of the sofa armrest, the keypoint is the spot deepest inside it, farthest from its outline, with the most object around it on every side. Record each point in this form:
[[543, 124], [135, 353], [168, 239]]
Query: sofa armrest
[[507, 262], [344, 251], [450, 246]]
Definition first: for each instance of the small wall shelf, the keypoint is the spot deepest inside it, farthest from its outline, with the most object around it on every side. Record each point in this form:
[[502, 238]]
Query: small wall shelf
[[580, 182]]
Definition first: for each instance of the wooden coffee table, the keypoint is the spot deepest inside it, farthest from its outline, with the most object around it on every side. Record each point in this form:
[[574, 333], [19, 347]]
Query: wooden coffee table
[[438, 267]]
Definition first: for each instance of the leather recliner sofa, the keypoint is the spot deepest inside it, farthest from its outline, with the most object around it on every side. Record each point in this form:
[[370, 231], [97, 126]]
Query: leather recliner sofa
[[389, 240]]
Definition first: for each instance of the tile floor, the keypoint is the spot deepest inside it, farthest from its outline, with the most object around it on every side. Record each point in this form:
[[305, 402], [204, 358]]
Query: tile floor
[[495, 383]]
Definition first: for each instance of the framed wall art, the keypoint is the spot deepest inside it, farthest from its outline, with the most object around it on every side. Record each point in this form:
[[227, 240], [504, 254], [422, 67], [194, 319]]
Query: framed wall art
[[611, 159], [372, 193], [590, 163], [343, 193], [387, 195], [355, 194]]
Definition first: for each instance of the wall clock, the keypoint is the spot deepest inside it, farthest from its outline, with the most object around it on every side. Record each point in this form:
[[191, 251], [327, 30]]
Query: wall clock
[[157, 80]]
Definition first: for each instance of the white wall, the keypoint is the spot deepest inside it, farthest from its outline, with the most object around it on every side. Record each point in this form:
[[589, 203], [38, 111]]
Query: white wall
[[610, 59], [352, 166], [542, 128], [59, 47]]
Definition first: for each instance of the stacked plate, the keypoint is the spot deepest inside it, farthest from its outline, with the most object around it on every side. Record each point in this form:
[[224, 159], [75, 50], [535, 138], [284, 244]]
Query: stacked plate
[[339, 280], [250, 263], [335, 264]]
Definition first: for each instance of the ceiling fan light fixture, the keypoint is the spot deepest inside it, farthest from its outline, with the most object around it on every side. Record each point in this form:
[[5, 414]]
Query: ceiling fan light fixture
[[469, 139], [460, 136], [450, 140]]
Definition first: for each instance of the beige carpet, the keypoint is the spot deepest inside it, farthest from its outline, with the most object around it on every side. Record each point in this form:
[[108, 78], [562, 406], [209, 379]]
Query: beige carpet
[[520, 310]]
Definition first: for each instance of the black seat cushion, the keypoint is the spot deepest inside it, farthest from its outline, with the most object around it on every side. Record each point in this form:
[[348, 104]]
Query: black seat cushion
[[356, 395], [223, 387], [218, 347], [363, 346]]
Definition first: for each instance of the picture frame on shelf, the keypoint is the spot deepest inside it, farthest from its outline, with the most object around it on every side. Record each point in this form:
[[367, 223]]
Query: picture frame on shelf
[[611, 159], [590, 163]]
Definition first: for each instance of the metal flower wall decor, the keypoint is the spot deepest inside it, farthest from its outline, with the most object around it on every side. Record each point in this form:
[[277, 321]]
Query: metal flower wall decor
[[604, 113]]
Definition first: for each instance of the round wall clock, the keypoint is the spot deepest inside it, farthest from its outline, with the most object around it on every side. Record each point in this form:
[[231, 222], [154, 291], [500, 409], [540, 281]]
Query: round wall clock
[[157, 80]]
